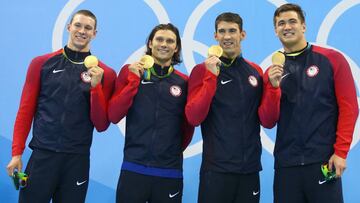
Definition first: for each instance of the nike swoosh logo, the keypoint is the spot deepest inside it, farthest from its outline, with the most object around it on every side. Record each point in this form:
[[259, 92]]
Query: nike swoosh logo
[[80, 183], [255, 193], [173, 195], [146, 82], [57, 71], [224, 82], [322, 182], [282, 77]]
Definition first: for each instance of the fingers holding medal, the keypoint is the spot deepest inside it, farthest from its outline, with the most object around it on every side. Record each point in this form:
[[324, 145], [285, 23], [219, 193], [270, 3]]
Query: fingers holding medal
[[94, 72], [213, 62], [139, 67]]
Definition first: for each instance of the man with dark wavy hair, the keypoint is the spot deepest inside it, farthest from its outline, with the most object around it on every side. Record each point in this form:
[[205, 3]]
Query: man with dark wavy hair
[[157, 131]]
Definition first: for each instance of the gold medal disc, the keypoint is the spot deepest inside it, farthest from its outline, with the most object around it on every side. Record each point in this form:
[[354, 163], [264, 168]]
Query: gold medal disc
[[148, 61], [278, 58], [91, 61], [215, 50]]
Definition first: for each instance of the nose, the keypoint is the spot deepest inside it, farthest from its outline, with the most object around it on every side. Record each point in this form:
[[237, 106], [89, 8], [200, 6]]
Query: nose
[[163, 44], [287, 26], [227, 35], [81, 29]]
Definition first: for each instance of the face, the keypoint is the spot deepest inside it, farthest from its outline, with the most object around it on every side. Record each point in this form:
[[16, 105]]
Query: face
[[163, 46], [81, 32], [291, 31], [229, 36]]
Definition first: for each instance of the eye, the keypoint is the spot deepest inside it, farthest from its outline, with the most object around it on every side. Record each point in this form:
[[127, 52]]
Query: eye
[[232, 30], [170, 41], [88, 27], [159, 39], [221, 31], [292, 21], [281, 23]]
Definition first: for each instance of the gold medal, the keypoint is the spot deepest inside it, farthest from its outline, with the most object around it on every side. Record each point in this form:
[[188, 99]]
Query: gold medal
[[278, 58], [91, 61], [148, 61], [215, 50]]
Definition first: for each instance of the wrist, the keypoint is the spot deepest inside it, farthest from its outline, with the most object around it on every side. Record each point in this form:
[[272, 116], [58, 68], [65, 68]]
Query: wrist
[[215, 70]]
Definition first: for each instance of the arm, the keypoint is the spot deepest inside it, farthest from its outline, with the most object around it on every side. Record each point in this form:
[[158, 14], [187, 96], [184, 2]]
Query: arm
[[126, 88], [99, 96], [201, 90], [348, 111], [188, 131], [25, 113], [269, 110]]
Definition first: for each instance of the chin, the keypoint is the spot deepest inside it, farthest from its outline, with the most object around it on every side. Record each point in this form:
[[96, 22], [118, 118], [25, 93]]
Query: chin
[[289, 39], [229, 52], [163, 58]]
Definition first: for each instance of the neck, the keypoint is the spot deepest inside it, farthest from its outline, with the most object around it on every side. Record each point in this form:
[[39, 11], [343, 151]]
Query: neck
[[295, 47], [75, 56], [78, 49], [231, 55], [162, 63]]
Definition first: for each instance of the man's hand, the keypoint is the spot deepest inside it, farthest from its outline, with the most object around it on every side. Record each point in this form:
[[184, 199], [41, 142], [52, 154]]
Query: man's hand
[[15, 163], [137, 68], [96, 74], [212, 64], [339, 163], [275, 73]]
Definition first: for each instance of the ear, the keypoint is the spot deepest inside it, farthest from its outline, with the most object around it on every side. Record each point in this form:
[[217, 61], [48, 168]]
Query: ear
[[216, 36], [150, 44], [243, 35], [68, 27], [95, 33], [304, 27], [176, 49]]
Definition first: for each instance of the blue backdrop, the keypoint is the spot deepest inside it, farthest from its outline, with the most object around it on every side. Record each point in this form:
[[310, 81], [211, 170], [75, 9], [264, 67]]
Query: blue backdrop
[[34, 27]]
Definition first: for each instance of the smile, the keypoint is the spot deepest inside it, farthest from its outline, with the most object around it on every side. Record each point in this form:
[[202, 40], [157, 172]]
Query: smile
[[163, 51], [227, 43]]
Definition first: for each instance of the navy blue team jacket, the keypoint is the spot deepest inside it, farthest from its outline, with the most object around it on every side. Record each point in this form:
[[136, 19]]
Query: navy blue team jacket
[[156, 127], [61, 103], [226, 106]]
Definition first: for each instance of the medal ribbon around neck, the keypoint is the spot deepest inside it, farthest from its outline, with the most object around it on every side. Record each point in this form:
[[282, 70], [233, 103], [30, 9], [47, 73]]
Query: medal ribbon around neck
[[226, 65], [74, 62], [151, 71], [298, 52]]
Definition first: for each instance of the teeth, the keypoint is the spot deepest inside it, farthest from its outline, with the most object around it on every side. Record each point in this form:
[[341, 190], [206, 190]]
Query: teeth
[[80, 37]]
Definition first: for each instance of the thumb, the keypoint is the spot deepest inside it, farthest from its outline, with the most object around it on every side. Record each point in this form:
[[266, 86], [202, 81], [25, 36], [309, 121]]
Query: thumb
[[9, 170], [331, 164]]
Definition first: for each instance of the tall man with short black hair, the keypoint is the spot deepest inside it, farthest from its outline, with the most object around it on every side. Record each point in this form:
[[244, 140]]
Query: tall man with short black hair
[[64, 101], [316, 111], [224, 97]]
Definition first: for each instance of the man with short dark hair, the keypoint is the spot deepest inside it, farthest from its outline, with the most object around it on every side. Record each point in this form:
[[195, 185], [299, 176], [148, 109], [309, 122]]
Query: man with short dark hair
[[315, 110], [224, 97], [65, 100]]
